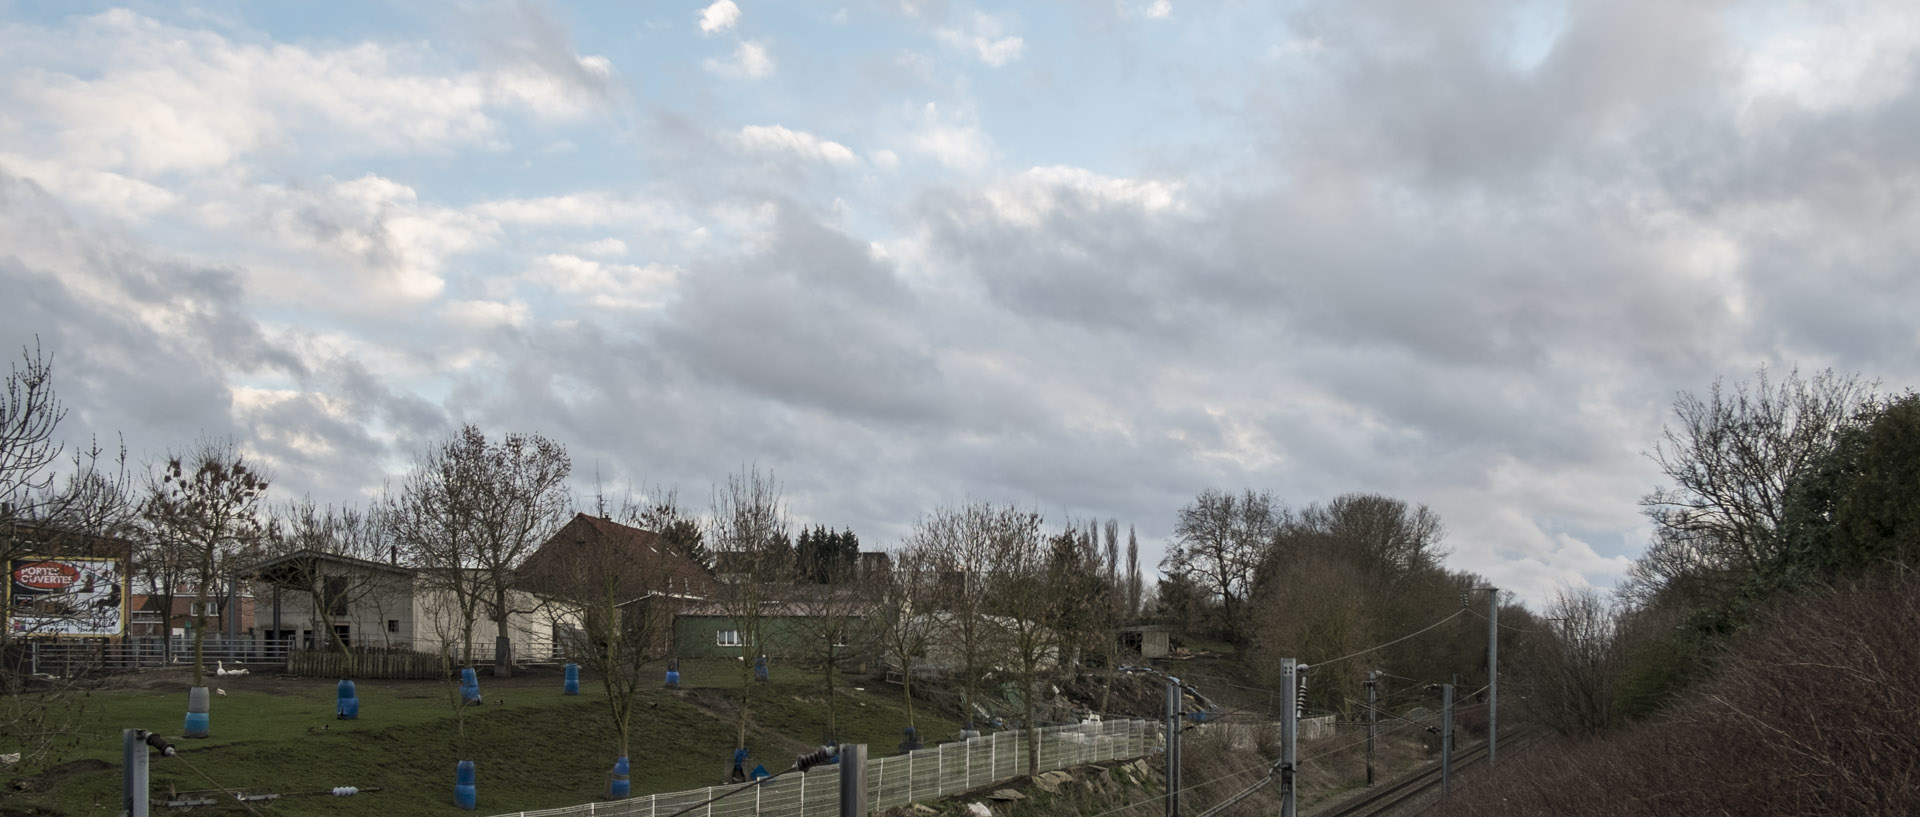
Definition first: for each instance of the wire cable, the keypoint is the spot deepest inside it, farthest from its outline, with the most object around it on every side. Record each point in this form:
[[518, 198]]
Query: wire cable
[[1456, 614], [800, 764], [216, 784]]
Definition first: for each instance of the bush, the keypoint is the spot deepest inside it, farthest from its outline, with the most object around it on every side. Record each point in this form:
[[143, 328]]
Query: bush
[[1814, 710]]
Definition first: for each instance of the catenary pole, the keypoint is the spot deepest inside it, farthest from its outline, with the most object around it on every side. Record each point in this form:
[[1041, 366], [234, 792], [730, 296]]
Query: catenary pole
[[1173, 746], [1372, 721], [1289, 731], [1493, 671], [1446, 739]]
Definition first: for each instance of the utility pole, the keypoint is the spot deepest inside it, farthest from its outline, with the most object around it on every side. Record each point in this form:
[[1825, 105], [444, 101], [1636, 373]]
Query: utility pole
[[1446, 739], [853, 780], [1291, 688], [1173, 746], [1493, 671], [134, 787], [1372, 722]]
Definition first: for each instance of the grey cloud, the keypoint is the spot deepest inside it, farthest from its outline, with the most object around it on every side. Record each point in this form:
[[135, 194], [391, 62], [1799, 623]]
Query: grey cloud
[[524, 33], [809, 319]]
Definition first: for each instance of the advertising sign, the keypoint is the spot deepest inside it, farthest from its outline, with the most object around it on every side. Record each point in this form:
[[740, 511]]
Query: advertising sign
[[66, 596]]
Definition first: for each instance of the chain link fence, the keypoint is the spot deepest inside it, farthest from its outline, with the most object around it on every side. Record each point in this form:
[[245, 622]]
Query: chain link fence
[[927, 774]]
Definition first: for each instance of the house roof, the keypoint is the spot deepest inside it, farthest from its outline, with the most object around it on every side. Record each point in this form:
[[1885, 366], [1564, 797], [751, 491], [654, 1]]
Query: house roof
[[662, 569], [303, 558]]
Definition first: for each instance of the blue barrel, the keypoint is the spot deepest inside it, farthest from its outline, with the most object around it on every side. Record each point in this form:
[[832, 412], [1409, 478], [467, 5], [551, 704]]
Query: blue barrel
[[621, 786], [348, 706], [198, 723], [573, 679], [469, 686], [673, 679], [465, 795]]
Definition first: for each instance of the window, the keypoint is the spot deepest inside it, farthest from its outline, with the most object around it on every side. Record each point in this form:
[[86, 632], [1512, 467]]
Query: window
[[727, 638], [393, 625], [333, 593]]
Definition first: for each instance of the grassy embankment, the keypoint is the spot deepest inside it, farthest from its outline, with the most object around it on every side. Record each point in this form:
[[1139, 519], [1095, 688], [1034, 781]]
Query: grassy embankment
[[533, 747]]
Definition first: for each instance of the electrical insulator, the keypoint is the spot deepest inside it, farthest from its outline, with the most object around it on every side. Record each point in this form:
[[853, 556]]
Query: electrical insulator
[[1300, 696]]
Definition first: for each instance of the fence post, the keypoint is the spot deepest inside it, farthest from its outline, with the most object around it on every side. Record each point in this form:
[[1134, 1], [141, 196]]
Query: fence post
[[853, 781]]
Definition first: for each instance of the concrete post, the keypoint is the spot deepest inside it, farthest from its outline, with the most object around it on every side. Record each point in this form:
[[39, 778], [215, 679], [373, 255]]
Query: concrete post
[[1493, 672], [1173, 747], [853, 780], [1289, 732], [1446, 739], [1372, 721]]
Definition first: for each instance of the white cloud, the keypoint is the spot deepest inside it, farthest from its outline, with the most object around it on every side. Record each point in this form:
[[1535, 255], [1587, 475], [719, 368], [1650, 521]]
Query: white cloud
[[986, 39], [953, 140], [605, 247], [1028, 198], [608, 286], [393, 247], [162, 98], [883, 158], [485, 314], [778, 139], [750, 61], [1160, 10], [113, 193], [720, 16], [585, 209]]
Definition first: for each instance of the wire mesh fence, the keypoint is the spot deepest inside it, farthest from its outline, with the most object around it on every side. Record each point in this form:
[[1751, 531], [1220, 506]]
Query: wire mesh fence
[[926, 774]]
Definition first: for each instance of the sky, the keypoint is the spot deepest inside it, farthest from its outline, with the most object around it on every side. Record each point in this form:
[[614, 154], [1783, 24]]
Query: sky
[[1090, 257]]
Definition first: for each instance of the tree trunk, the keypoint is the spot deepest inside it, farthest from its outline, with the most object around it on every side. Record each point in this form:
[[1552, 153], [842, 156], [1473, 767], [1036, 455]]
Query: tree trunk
[[832, 736], [906, 685], [199, 635], [1033, 731], [746, 695], [502, 644]]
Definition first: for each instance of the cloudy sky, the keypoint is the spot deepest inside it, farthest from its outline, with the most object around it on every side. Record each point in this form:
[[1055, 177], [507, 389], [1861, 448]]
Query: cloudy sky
[[1091, 256]]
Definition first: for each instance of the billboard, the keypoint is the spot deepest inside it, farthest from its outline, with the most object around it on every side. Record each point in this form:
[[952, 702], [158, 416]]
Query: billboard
[[66, 596]]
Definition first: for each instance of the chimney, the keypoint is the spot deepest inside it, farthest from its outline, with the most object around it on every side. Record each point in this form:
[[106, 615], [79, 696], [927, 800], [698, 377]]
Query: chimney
[[393, 554]]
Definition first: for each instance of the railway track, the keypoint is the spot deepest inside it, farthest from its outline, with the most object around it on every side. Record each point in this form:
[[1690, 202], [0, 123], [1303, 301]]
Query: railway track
[[1386, 799]]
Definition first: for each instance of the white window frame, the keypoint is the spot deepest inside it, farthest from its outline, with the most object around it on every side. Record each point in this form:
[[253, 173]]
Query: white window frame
[[726, 638]]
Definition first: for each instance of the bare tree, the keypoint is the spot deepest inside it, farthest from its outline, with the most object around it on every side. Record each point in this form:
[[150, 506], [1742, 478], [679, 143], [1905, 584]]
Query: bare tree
[[1030, 609], [956, 545], [433, 520], [85, 514], [309, 535], [1220, 539], [663, 514], [748, 533], [1731, 459], [1135, 582], [905, 627], [472, 510], [204, 505], [29, 414], [524, 499], [618, 583], [837, 627], [1567, 673]]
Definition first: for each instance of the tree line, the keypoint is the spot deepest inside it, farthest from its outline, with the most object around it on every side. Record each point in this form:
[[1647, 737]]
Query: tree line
[[1323, 581]]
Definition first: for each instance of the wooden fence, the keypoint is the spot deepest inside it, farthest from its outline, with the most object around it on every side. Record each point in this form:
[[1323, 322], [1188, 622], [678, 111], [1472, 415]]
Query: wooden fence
[[386, 664]]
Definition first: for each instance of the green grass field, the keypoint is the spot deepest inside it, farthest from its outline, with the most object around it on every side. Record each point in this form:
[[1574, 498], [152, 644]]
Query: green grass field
[[533, 747]]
